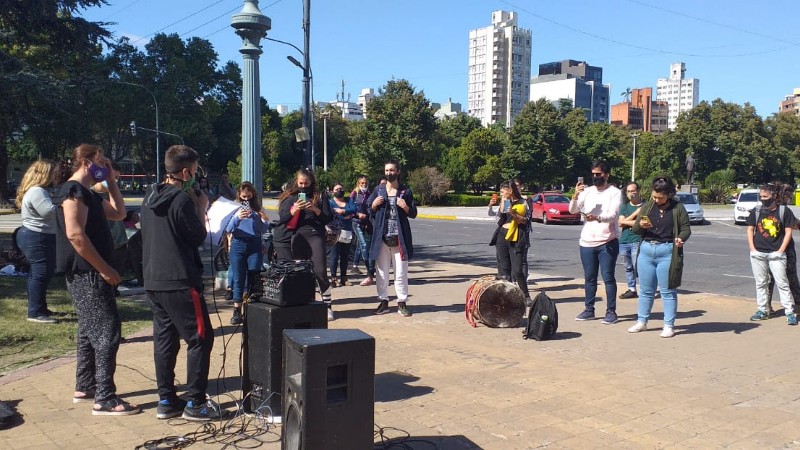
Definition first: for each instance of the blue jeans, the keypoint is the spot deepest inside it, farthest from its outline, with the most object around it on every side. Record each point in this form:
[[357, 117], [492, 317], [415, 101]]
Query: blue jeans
[[653, 266], [245, 257], [628, 253], [40, 251], [364, 241], [604, 258], [339, 255]]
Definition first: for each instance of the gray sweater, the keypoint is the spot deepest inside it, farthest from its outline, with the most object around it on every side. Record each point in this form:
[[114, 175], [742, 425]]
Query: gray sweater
[[38, 211]]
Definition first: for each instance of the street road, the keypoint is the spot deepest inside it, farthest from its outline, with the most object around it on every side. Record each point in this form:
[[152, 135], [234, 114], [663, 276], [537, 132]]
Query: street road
[[716, 261]]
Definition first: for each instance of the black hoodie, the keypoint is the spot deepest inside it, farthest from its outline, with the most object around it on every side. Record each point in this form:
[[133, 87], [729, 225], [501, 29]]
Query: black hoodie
[[171, 233]]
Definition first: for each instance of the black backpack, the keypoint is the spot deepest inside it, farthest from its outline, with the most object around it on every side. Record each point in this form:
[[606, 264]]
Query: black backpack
[[542, 319]]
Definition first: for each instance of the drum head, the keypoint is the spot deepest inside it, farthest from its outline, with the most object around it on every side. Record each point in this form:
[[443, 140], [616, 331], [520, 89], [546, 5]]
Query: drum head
[[501, 305]]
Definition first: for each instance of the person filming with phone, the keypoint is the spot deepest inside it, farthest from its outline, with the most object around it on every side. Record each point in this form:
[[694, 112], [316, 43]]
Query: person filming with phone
[[599, 242]]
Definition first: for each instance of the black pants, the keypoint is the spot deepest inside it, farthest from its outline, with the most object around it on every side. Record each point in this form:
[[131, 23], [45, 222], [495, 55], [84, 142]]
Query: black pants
[[509, 263], [181, 315], [308, 244]]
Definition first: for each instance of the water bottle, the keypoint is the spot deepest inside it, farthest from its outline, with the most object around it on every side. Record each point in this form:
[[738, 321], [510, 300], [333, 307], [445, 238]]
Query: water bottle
[[542, 327]]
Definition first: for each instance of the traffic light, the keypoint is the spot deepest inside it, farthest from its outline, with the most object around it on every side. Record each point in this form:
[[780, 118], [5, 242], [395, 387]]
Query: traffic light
[[133, 128]]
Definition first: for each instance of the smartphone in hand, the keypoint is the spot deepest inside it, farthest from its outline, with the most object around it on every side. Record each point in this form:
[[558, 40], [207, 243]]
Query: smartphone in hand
[[301, 196], [580, 180], [494, 198]]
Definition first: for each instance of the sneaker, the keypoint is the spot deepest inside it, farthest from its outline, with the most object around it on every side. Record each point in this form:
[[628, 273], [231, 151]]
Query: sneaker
[[42, 319], [639, 326], [169, 408], [367, 282], [333, 283], [355, 270], [229, 294], [791, 319], [585, 315], [331, 317], [345, 282], [201, 412], [383, 307], [759, 315], [236, 318], [402, 309], [657, 294], [667, 332], [629, 294], [611, 317]]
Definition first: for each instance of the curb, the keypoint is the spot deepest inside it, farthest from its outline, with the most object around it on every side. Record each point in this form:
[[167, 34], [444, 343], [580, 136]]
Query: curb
[[436, 217]]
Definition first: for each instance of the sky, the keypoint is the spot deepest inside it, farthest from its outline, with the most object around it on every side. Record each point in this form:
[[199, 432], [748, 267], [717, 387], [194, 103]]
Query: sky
[[740, 50]]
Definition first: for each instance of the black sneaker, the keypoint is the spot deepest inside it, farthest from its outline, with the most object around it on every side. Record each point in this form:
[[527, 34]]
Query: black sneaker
[[229, 294], [42, 319], [610, 318], [236, 318], [629, 294], [383, 308], [403, 310], [201, 412], [169, 408]]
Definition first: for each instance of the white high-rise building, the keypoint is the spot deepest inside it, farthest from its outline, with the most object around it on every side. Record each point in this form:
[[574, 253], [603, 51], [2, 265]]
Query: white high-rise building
[[680, 92], [499, 70]]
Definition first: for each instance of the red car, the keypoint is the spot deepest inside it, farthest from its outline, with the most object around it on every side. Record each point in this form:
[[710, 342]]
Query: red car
[[552, 207]]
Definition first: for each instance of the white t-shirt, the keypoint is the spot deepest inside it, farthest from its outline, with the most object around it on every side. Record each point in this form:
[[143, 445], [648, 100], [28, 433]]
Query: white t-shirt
[[605, 204]]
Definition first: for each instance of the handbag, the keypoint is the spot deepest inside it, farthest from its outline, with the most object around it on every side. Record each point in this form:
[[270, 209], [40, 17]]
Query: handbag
[[292, 223], [345, 236], [391, 241]]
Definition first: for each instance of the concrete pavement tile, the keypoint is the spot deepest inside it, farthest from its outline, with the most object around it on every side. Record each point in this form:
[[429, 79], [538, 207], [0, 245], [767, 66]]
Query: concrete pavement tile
[[632, 428], [784, 435], [593, 439], [542, 420]]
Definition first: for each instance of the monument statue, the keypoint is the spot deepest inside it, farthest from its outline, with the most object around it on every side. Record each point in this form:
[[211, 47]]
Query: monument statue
[[690, 168]]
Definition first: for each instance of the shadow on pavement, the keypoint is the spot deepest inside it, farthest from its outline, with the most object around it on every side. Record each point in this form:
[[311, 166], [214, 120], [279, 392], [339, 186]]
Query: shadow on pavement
[[393, 386], [716, 327], [383, 442]]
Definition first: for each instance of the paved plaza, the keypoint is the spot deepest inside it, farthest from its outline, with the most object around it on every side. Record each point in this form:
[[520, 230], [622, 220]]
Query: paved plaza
[[722, 381]]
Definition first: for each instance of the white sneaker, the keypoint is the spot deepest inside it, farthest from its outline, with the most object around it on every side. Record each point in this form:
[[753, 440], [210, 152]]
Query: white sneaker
[[640, 326], [667, 332]]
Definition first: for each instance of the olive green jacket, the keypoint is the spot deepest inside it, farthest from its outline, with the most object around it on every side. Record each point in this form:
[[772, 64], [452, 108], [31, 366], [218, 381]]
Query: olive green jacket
[[681, 229]]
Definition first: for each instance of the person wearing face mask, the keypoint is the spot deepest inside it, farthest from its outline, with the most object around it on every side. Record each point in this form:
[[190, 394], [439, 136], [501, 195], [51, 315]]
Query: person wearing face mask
[[173, 227], [599, 243], [363, 230], [84, 248], [663, 224], [120, 260], [769, 234], [628, 241], [343, 210], [303, 212]]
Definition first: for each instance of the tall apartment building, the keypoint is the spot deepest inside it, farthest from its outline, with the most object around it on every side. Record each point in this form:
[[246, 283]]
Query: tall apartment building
[[791, 103], [680, 92], [641, 112], [499, 69], [577, 82]]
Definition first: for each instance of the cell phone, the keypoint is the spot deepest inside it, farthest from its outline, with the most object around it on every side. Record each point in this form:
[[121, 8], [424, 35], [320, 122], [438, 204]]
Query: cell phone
[[301, 196], [580, 180], [507, 205], [246, 206], [494, 197]]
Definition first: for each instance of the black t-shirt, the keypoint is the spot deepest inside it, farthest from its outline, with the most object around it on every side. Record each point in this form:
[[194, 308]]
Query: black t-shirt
[[663, 229], [769, 228], [67, 259]]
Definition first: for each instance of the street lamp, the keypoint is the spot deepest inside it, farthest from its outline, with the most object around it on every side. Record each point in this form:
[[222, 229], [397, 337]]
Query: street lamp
[[158, 141], [633, 166], [308, 146], [325, 116]]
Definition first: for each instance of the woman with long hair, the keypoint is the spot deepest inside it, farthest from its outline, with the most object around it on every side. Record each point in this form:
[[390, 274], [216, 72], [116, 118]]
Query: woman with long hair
[[510, 239], [245, 227], [84, 252], [343, 210], [663, 224], [303, 212], [363, 229], [37, 235]]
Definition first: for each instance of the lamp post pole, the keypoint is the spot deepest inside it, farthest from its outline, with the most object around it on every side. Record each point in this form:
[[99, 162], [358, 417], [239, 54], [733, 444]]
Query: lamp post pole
[[633, 166], [251, 25], [158, 133], [309, 146]]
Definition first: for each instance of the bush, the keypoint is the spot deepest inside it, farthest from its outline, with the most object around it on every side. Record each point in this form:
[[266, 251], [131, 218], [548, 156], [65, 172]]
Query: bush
[[465, 200], [718, 186], [428, 184]]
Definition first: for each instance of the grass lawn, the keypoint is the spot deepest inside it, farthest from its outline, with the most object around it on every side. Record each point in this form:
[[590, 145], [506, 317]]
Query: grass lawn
[[24, 343]]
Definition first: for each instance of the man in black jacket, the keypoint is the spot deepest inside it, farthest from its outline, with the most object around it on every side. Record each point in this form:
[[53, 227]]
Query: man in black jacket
[[172, 230]]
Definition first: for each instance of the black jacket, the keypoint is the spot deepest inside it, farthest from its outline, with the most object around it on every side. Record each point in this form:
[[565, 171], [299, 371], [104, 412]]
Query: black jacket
[[171, 233], [308, 220]]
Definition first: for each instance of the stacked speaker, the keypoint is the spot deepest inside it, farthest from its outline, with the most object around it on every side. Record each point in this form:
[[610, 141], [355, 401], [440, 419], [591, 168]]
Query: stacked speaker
[[321, 382]]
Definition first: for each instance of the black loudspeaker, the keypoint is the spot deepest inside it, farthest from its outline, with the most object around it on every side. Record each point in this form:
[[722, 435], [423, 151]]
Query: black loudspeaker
[[329, 390], [263, 346]]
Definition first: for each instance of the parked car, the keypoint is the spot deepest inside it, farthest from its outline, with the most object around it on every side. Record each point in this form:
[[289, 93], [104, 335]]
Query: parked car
[[552, 207], [745, 202], [692, 205]]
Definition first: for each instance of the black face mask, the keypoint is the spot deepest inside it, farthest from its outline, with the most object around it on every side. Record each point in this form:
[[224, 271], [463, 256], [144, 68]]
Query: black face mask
[[391, 178], [599, 181], [304, 190], [767, 203], [338, 194]]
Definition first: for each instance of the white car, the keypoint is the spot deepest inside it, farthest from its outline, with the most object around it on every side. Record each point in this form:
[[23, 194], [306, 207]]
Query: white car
[[692, 206], [745, 202]]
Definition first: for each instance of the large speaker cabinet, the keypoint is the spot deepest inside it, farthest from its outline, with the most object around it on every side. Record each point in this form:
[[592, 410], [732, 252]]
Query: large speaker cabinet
[[329, 390], [263, 347]]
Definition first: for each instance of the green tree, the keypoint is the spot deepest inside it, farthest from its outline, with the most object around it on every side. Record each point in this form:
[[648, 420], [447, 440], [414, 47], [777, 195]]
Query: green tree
[[537, 144]]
